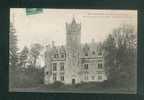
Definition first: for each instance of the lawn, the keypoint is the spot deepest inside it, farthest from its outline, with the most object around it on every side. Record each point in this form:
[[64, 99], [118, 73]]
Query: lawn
[[79, 88]]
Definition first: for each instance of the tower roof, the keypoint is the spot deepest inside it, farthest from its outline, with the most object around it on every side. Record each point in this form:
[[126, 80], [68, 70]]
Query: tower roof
[[73, 20]]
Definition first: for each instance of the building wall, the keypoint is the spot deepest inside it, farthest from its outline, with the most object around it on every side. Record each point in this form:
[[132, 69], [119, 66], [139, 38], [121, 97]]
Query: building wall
[[94, 73], [92, 69], [58, 72], [82, 63]]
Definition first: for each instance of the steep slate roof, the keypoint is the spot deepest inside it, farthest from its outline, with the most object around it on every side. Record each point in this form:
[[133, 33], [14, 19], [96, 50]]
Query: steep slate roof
[[91, 49]]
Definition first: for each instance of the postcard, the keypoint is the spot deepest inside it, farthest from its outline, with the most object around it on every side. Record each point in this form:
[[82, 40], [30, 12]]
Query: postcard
[[73, 50]]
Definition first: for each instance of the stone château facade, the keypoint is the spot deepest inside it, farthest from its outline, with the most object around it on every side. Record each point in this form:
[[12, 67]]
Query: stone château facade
[[75, 62]]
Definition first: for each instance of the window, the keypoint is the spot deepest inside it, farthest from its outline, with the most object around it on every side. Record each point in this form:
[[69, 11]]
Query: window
[[86, 54], [86, 66], [86, 76], [62, 78], [54, 66], [62, 66], [99, 72], [100, 53], [99, 77], [99, 65], [93, 77], [47, 72], [62, 55], [56, 56], [54, 77], [99, 61], [93, 52]]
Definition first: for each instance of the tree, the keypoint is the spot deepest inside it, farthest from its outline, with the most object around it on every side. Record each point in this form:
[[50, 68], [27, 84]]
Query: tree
[[109, 56], [23, 56], [12, 56], [126, 53], [120, 55], [28, 76], [12, 46], [35, 52]]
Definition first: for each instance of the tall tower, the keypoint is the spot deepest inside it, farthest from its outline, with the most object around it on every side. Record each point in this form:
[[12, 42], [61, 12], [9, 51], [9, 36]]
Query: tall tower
[[73, 39]]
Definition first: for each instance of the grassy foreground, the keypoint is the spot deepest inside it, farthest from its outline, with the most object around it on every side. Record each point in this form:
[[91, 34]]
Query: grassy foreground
[[78, 88]]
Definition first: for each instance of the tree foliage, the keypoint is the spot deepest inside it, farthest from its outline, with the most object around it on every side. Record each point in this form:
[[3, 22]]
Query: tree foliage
[[12, 56], [23, 58], [35, 52], [29, 77], [120, 56], [12, 46], [26, 75]]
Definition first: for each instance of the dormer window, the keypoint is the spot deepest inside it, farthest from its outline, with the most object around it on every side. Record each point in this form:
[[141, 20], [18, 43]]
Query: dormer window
[[86, 54]]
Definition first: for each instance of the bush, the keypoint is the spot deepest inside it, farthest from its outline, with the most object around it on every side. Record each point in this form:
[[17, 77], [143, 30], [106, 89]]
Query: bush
[[27, 77], [89, 85], [57, 84]]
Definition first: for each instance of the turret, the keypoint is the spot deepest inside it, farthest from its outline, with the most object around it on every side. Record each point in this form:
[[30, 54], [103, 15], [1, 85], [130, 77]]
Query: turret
[[73, 34], [73, 39], [73, 27]]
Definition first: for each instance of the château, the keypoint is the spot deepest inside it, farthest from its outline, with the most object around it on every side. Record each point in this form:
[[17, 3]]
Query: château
[[75, 62]]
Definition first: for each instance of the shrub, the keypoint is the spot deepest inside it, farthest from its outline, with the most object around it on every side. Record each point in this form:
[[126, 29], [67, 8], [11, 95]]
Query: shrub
[[57, 84]]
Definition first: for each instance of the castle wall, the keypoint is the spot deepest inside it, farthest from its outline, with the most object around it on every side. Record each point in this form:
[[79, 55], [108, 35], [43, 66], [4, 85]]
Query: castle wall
[[77, 70], [81, 63]]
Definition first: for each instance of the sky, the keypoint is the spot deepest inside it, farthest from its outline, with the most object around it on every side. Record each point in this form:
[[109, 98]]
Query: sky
[[49, 25]]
